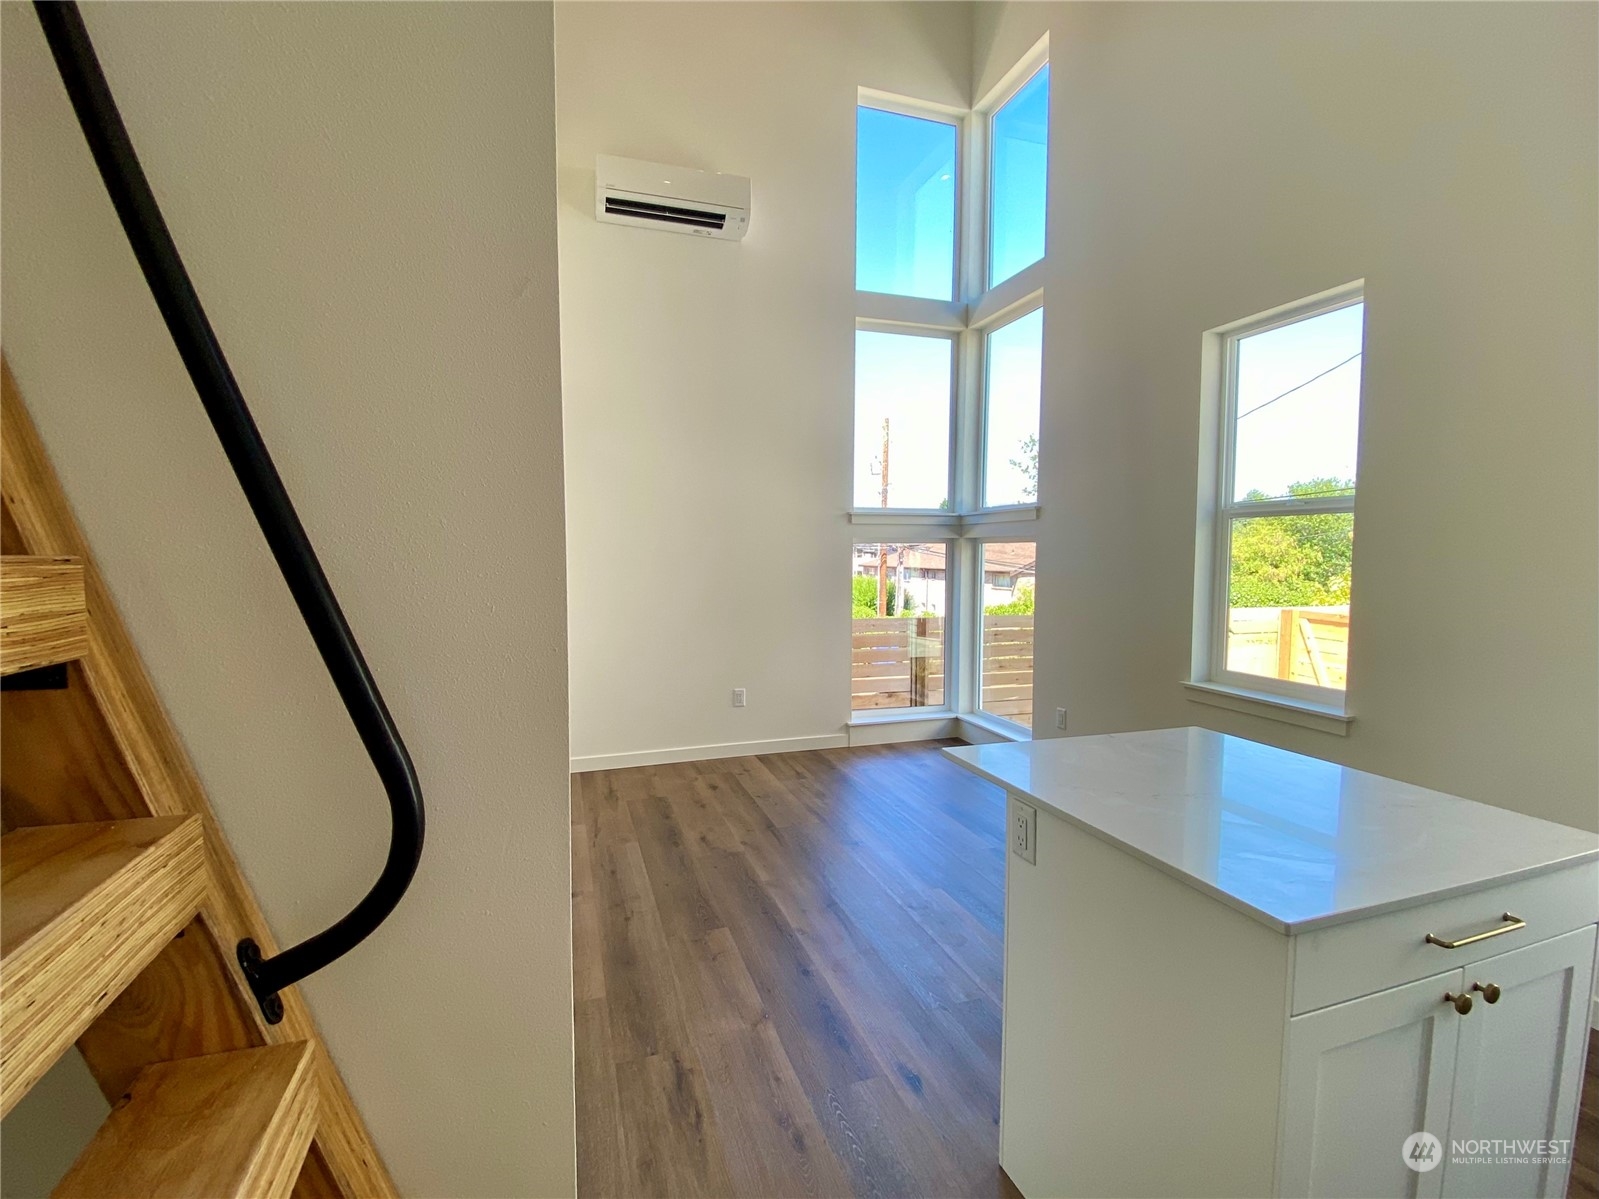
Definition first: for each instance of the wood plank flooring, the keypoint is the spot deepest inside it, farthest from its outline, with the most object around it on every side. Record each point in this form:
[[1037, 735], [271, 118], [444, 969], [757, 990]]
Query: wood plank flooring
[[1585, 1153], [787, 979]]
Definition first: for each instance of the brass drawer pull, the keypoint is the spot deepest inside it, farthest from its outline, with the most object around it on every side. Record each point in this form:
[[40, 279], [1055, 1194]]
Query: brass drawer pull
[[1462, 1003], [1512, 923]]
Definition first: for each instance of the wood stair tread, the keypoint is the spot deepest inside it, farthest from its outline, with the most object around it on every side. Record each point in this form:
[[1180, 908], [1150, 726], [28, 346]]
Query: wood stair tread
[[43, 616], [83, 909], [228, 1124]]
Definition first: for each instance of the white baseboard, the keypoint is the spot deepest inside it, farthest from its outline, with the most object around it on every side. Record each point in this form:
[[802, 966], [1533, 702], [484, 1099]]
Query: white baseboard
[[701, 753]]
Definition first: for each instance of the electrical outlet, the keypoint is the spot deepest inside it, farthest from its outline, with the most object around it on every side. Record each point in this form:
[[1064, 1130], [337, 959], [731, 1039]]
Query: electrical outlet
[[738, 697], [1024, 831], [1060, 719]]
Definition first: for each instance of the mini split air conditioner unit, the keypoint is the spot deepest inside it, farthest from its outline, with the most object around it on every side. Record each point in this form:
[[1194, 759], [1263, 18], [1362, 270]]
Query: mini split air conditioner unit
[[653, 195]]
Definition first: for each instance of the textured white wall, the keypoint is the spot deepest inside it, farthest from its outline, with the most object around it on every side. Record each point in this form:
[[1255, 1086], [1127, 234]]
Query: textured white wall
[[1211, 161], [709, 385], [365, 196]]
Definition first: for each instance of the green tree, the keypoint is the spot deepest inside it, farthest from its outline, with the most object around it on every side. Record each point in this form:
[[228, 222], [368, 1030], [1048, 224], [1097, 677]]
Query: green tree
[[1028, 465], [1293, 561], [863, 596], [1019, 605]]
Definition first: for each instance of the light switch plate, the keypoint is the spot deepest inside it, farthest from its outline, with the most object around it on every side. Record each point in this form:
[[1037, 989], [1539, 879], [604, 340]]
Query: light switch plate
[[1024, 831]]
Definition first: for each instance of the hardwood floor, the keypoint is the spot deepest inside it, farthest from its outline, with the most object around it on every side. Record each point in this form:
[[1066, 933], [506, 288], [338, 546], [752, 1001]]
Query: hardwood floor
[[787, 979], [788, 975], [1585, 1153]]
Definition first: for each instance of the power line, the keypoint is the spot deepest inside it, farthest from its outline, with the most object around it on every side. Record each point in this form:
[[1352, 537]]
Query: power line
[[1300, 386]]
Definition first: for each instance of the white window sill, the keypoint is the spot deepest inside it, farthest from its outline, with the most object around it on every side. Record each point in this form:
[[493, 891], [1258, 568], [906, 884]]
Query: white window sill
[[872, 716], [998, 516], [991, 728], [961, 521], [1306, 714]]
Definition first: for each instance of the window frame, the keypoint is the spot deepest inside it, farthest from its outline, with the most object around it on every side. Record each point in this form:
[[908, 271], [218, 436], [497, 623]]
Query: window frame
[[1218, 510], [974, 669], [1014, 80], [900, 515], [953, 642], [1001, 320], [894, 305]]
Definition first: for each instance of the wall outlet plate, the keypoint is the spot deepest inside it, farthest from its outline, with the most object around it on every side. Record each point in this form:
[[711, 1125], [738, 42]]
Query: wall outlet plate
[[738, 697], [1024, 831], [1060, 719]]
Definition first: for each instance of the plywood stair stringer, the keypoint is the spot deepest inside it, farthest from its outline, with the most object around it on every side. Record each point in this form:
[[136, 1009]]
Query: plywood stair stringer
[[39, 517]]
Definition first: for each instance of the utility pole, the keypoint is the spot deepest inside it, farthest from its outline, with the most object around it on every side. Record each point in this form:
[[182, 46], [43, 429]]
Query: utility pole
[[882, 550]]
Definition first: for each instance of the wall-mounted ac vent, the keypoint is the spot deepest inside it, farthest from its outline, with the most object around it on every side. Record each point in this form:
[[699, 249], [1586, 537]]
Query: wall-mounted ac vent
[[679, 200]]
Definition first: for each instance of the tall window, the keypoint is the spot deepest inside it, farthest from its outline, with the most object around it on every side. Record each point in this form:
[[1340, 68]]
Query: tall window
[[948, 385], [1279, 567]]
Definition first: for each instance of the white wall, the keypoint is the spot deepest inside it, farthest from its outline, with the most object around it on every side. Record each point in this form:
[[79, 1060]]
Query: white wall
[[708, 385], [365, 197], [1211, 161]]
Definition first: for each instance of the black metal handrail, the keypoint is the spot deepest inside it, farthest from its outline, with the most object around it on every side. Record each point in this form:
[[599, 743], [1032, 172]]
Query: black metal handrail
[[247, 453]]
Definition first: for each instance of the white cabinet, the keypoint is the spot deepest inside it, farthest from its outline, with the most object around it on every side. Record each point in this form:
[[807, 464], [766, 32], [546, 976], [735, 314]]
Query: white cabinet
[[1518, 1067], [1226, 968], [1362, 1076], [1158, 1042]]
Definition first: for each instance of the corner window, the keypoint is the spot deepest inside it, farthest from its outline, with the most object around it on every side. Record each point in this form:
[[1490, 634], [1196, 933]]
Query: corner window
[[1014, 366], [1010, 575], [903, 388], [1018, 177], [904, 204], [1281, 565], [949, 340], [897, 606]]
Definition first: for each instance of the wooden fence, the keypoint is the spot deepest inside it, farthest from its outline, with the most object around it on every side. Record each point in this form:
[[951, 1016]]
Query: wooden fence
[[898, 662], [1303, 645], [1008, 667]]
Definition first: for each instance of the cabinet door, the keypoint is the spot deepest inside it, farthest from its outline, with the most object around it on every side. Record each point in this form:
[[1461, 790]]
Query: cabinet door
[[1518, 1069], [1361, 1077]]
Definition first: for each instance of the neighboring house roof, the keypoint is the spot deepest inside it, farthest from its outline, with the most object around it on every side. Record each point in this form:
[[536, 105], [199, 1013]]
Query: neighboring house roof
[[1016, 559]]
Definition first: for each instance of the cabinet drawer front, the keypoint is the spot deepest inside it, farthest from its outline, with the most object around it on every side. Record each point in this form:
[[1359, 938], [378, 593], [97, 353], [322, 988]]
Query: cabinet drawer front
[[1349, 960]]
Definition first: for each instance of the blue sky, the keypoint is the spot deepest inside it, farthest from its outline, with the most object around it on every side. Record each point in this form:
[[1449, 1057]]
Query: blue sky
[[1309, 432], [904, 205], [1019, 181]]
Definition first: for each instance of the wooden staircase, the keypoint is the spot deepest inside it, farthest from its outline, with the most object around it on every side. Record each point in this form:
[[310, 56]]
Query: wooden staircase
[[121, 904]]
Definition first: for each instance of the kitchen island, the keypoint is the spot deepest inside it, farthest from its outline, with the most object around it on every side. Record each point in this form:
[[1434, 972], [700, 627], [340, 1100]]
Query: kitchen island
[[1235, 970]]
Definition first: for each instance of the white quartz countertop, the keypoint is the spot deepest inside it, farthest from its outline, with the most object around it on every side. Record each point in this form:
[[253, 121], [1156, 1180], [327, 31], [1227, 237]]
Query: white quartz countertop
[[1295, 842]]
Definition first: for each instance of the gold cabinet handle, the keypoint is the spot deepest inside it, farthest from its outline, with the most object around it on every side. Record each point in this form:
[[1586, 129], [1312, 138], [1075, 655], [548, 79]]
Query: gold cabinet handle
[[1490, 991], [1510, 925], [1462, 1002]]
